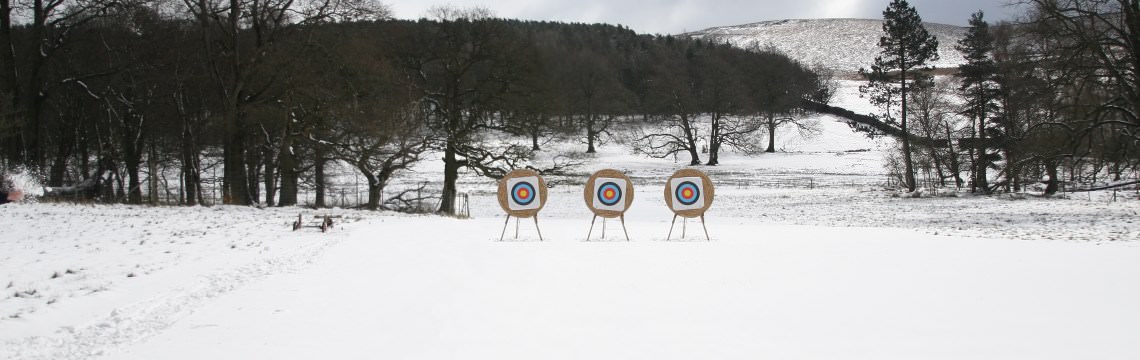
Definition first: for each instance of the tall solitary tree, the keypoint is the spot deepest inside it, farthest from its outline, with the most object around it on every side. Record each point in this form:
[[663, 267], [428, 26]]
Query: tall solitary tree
[[466, 66], [906, 48], [979, 89]]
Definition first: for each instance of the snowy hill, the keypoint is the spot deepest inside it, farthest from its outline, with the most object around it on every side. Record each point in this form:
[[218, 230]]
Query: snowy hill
[[841, 44]]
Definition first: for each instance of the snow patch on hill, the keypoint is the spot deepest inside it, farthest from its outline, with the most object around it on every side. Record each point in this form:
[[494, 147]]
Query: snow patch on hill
[[844, 45]]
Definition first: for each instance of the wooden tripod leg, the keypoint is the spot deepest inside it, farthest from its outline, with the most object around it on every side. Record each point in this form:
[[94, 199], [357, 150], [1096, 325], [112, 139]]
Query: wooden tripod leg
[[623, 228], [537, 228], [684, 227], [505, 223], [671, 223], [591, 227], [705, 227], [516, 228], [603, 228]]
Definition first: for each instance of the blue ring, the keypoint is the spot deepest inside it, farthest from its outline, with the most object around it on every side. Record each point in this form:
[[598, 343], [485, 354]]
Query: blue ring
[[521, 186], [608, 186], [687, 185]]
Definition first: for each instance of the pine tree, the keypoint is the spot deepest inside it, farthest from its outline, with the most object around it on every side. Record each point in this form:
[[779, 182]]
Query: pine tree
[[979, 89], [906, 47]]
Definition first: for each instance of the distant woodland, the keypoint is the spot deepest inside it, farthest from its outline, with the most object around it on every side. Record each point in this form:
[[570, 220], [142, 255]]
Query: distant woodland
[[105, 95]]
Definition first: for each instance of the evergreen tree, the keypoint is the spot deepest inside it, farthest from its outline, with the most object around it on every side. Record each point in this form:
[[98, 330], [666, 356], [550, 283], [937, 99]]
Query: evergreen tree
[[906, 48], [979, 89]]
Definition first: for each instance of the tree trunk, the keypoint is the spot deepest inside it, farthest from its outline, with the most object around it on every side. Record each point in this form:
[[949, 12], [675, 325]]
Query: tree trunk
[[84, 159], [714, 153], [253, 170], [714, 142], [270, 179], [1052, 185], [287, 167], [375, 189], [590, 135], [319, 177], [908, 163], [955, 167], [1012, 172], [691, 141], [132, 157], [152, 180], [235, 191], [693, 154], [58, 169], [450, 176], [771, 134], [31, 138], [191, 169], [288, 180], [534, 138], [191, 179], [7, 56], [981, 180]]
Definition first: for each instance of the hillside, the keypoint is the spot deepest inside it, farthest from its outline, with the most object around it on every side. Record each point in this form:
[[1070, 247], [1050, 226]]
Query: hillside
[[841, 44]]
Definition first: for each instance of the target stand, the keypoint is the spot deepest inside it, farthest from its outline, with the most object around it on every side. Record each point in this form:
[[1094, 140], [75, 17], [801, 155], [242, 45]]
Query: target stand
[[522, 193], [608, 194], [688, 193]]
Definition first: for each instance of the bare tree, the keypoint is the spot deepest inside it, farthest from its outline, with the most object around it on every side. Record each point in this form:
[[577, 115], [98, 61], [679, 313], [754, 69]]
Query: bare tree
[[380, 149], [677, 90], [463, 67], [935, 117], [240, 37], [28, 48], [1098, 38]]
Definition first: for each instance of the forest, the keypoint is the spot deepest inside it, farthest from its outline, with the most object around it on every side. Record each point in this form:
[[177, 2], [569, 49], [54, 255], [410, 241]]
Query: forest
[[107, 97], [109, 94], [1049, 99]]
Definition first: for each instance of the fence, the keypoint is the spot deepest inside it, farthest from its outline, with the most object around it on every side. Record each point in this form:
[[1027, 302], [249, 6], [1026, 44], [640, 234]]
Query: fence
[[809, 182], [417, 199]]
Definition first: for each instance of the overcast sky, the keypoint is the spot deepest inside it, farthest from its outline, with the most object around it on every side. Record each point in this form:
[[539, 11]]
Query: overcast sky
[[678, 16]]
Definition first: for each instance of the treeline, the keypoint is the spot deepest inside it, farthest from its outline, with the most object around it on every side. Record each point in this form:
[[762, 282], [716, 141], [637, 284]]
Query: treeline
[[110, 93], [1050, 99]]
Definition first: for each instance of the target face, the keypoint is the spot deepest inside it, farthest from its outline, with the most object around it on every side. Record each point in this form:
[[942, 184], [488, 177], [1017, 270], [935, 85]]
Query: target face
[[609, 194], [523, 193], [688, 193]]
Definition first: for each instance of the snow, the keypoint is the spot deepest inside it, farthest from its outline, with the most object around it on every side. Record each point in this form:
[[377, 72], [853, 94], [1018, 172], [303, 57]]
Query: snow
[[25, 180], [86, 261], [844, 45], [757, 291], [810, 258]]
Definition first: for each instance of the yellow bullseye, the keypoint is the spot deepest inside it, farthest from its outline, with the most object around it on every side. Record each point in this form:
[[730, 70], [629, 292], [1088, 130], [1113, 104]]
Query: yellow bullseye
[[609, 194], [687, 193], [524, 194]]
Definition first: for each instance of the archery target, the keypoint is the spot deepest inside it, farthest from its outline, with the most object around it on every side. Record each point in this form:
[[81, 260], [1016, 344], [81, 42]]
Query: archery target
[[523, 193], [688, 193], [609, 194]]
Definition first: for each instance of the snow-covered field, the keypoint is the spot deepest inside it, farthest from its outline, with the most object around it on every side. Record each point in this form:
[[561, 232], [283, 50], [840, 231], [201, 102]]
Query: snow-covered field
[[810, 258]]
